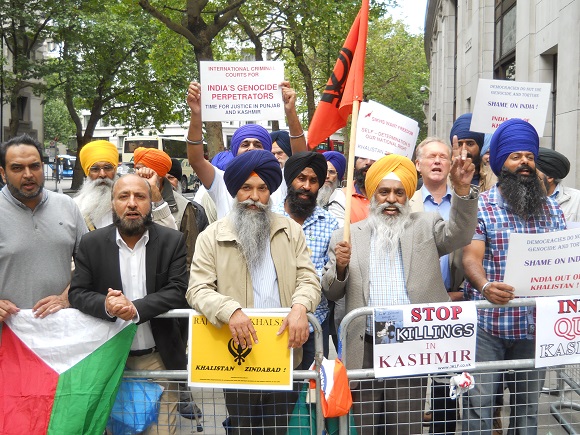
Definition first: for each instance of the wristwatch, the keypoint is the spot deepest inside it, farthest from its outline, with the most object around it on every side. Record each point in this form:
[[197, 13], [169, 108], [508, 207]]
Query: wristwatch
[[473, 193]]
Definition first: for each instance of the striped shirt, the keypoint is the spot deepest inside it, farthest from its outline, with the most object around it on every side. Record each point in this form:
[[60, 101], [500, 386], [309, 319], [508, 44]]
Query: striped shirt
[[495, 223], [265, 282]]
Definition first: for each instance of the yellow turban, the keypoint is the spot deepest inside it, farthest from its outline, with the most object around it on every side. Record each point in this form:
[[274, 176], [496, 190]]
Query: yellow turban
[[153, 158], [98, 151], [400, 165]]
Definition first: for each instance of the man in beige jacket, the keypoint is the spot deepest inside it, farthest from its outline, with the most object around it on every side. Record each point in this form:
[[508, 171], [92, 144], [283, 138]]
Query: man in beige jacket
[[253, 258]]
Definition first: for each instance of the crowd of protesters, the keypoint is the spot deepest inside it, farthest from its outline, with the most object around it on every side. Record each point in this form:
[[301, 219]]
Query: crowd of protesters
[[276, 240]]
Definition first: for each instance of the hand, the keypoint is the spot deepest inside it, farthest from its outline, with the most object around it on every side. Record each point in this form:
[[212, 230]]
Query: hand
[[117, 305], [499, 293], [342, 251], [461, 173], [288, 96], [194, 98], [154, 181], [7, 308], [297, 324], [242, 329], [50, 305]]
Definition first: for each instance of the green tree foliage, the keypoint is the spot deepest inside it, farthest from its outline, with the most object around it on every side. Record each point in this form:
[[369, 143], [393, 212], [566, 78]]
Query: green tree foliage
[[396, 69], [105, 65], [58, 125]]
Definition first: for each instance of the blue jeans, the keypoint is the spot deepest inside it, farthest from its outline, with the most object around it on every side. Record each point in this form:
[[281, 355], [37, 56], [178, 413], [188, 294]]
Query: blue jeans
[[478, 402]]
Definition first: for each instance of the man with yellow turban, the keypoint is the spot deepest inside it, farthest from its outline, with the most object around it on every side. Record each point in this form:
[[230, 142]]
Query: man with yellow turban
[[99, 160], [393, 259]]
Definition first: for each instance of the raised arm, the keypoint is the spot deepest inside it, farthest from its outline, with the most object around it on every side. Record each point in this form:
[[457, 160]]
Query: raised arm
[[203, 168], [297, 139]]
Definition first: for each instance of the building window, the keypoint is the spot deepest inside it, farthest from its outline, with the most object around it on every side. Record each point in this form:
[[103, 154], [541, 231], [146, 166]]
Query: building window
[[21, 103], [505, 40]]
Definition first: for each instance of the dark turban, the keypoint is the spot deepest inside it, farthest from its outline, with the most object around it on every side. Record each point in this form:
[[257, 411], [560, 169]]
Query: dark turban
[[461, 130], [552, 163], [282, 138], [247, 131], [176, 170], [338, 160], [261, 162], [222, 159], [302, 160], [513, 135]]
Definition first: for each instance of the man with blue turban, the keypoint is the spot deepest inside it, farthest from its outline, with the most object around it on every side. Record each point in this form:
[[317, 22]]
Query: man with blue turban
[[248, 137], [516, 204], [393, 259], [472, 140], [254, 258], [281, 147]]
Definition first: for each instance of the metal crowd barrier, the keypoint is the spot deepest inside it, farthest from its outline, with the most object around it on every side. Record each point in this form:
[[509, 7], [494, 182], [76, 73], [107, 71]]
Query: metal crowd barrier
[[212, 417], [552, 418]]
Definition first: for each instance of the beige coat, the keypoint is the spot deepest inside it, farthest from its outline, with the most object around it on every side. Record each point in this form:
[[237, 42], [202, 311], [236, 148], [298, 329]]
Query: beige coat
[[220, 283]]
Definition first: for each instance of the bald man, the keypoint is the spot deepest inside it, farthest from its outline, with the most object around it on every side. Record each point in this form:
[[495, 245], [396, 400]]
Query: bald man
[[394, 260]]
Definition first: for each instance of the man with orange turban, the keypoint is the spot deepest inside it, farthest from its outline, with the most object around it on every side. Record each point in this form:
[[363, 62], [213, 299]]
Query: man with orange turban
[[99, 160], [393, 259]]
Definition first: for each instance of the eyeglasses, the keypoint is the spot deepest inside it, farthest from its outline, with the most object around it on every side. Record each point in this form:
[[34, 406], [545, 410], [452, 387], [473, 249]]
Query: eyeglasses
[[98, 169], [331, 172]]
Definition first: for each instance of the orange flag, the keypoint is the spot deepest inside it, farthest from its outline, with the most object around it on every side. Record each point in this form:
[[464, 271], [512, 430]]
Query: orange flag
[[345, 85]]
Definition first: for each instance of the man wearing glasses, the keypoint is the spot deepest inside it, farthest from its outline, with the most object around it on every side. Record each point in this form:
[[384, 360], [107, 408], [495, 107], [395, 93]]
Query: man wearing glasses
[[99, 160]]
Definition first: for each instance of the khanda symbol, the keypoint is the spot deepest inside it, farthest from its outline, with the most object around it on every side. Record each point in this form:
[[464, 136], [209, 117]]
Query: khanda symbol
[[238, 352], [335, 86]]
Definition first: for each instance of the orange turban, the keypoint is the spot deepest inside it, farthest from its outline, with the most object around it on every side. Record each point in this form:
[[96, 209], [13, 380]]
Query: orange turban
[[153, 158], [98, 151], [400, 165]]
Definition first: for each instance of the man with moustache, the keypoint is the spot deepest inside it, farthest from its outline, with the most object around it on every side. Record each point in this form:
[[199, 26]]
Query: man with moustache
[[473, 141], [329, 192], [99, 160], [302, 173], [254, 258], [281, 146], [248, 137], [136, 270], [393, 259], [39, 234], [516, 204]]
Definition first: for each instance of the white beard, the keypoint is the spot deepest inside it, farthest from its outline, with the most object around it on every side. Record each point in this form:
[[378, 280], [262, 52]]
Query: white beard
[[253, 230], [325, 192], [94, 198], [387, 230]]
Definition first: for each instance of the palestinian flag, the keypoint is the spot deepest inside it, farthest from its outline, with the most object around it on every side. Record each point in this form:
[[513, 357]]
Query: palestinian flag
[[60, 375]]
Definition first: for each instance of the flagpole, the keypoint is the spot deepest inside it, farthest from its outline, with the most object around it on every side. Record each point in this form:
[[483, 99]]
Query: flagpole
[[350, 170]]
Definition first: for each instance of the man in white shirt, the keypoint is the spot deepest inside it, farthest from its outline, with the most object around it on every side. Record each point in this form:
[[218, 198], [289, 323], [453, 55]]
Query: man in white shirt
[[136, 270]]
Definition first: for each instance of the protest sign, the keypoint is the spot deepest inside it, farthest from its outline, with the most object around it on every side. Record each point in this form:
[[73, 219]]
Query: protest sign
[[545, 264], [499, 100], [558, 340], [382, 131], [241, 91], [426, 338], [216, 362]]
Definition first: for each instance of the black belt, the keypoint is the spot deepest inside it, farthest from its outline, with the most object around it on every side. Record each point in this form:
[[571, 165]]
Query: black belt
[[369, 339], [142, 352]]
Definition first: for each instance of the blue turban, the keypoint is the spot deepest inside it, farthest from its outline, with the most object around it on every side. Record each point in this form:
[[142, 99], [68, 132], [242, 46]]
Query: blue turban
[[461, 130], [338, 160], [486, 143], [247, 131], [221, 160], [513, 135], [261, 162], [282, 138]]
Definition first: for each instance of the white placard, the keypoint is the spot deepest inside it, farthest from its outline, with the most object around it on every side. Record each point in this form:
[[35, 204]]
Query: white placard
[[381, 131], [241, 91], [546, 264], [499, 100], [558, 340], [426, 338]]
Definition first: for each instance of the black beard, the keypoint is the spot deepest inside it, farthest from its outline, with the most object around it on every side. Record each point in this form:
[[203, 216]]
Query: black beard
[[360, 176], [475, 159], [524, 194], [301, 208], [132, 228]]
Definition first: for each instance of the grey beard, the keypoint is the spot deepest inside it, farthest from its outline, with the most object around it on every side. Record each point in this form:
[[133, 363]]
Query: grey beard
[[387, 230], [94, 199], [253, 230], [325, 192]]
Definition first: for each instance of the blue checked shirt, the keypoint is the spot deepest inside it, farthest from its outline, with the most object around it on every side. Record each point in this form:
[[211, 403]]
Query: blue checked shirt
[[318, 228], [495, 223]]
